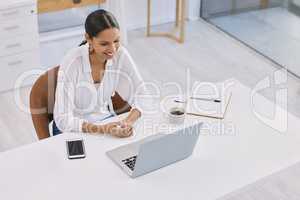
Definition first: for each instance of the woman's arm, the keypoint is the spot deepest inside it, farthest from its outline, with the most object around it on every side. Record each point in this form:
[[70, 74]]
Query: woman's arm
[[131, 87], [113, 128], [133, 115], [93, 128], [64, 105]]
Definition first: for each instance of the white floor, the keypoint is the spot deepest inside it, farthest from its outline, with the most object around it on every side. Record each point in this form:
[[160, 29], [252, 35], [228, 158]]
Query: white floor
[[273, 31]]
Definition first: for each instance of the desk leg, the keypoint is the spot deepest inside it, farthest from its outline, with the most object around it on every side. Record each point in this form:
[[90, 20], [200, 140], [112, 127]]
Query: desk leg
[[179, 22], [148, 17], [264, 3], [177, 13], [182, 21]]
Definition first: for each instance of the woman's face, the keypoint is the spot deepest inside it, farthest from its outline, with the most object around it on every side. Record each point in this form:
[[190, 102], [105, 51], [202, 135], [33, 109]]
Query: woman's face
[[106, 43]]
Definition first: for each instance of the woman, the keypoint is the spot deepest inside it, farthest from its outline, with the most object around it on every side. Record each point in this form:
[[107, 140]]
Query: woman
[[90, 74]]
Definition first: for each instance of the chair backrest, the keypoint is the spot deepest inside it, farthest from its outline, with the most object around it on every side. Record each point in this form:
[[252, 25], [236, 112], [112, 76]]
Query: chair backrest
[[42, 99]]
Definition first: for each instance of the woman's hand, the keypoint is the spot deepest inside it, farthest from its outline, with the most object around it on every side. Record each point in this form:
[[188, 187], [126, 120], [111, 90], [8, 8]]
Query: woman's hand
[[126, 123], [119, 129]]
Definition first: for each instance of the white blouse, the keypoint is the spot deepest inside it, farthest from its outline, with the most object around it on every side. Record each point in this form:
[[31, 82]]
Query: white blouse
[[79, 100]]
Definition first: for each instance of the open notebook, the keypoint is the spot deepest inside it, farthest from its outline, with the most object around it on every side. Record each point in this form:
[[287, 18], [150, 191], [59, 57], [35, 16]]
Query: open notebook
[[210, 100]]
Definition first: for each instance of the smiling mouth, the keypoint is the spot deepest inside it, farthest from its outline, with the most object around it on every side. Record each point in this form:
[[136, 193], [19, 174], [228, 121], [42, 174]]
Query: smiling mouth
[[109, 54]]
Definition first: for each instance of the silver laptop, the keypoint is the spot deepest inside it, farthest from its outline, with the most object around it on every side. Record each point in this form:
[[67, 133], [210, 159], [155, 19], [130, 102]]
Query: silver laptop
[[156, 151]]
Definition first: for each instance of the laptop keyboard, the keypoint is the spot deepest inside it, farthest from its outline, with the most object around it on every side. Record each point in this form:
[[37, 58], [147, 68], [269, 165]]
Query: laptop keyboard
[[130, 162]]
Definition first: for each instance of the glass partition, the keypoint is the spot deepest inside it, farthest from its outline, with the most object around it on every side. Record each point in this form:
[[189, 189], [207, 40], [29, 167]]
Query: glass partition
[[272, 27]]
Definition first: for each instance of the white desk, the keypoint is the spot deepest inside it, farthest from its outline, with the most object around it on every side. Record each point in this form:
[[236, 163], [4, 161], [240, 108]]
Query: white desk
[[220, 163]]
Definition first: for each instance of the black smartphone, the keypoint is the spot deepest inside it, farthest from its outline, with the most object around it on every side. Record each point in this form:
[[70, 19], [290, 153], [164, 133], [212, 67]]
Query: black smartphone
[[76, 1], [75, 149]]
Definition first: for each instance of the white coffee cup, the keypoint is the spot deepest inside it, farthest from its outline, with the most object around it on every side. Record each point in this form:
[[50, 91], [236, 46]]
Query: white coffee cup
[[176, 115]]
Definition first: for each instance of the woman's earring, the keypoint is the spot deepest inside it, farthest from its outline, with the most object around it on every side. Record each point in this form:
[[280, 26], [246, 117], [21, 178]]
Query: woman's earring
[[91, 49]]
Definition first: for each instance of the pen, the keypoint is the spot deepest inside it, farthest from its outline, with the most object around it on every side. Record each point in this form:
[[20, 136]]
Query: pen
[[207, 99], [199, 98]]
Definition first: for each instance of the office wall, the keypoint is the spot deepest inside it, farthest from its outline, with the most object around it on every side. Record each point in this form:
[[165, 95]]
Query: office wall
[[193, 9]]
